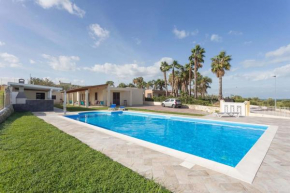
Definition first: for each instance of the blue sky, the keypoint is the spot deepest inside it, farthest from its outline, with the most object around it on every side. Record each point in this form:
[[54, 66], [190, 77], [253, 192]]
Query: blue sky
[[90, 42]]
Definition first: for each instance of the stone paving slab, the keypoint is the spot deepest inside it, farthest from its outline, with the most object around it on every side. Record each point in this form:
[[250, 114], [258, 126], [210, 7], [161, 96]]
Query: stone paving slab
[[273, 175]]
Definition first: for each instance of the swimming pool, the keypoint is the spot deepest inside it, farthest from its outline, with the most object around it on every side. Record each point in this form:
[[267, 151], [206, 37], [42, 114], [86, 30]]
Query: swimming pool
[[223, 142]]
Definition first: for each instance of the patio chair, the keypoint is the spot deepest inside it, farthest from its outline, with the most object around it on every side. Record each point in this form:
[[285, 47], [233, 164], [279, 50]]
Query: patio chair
[[112, 107], [82, 103], [228, 114], [122, 108]]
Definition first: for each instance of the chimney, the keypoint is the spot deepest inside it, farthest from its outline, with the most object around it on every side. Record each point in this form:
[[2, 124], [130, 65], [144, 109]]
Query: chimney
[[21, 80]]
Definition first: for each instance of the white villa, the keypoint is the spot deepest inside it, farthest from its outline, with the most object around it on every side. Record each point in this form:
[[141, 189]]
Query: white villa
[[105, 95]]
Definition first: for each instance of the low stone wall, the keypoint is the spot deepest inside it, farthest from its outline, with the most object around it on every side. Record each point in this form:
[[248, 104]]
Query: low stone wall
[[152, 103], [5, 113], [209, 109]]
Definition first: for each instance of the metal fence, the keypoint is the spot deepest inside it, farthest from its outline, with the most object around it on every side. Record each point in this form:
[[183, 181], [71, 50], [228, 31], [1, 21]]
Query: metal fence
[[278, 111]]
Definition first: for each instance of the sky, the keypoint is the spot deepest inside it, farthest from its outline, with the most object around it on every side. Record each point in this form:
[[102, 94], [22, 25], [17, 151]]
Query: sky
[[88, 42]]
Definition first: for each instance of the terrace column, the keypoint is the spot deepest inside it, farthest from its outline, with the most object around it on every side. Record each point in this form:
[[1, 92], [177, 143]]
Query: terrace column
[[87, 98], [64, 102], [131, 98], [72, 98], [78, 98], [108, 96], [49, 96], [67, 100]]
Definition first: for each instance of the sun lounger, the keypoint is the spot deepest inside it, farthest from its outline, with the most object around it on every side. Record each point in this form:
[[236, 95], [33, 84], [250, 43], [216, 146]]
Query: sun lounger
[[112, 107], [230, 114], [122, 108]]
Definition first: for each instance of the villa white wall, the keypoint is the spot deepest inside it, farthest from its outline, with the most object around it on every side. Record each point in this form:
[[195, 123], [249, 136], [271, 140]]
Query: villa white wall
[[31, 94], [100, 91], [138, 97], [233, 107]]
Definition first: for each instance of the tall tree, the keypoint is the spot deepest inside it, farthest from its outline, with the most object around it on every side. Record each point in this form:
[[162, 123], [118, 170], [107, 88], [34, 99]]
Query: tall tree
[[122, 85], [165, 68], [43, 82], [204, 84], [139, 82], [173, 66], [110, 83], [196, 57], [149, 84], [131, 85], [219, 65]]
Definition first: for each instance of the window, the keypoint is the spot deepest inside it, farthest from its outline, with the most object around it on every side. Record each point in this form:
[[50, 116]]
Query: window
[[96, 96], [53, 97], [167, 100], [149, 95], [40, 96]]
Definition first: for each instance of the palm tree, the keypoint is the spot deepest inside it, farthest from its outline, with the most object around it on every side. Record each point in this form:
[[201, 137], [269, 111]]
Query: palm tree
[[219, 65], [164, 68], [122, 85], [197, 55], [149, 84], [110, 83], [139, 82], [204, 84], [131, 85], [160, 84], [173, 66]]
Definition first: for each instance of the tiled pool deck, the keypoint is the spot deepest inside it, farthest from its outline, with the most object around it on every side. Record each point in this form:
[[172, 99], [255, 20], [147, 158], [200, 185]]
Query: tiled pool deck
[[273, 175]]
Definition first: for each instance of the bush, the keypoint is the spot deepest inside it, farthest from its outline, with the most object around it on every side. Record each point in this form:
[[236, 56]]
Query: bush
[[149, 99]]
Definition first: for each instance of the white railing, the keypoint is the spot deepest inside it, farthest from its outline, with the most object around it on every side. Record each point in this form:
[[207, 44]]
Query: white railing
[[279, 111]]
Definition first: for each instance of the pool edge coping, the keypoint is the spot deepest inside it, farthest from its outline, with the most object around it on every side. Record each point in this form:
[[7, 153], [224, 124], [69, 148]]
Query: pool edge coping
[[245, 170]]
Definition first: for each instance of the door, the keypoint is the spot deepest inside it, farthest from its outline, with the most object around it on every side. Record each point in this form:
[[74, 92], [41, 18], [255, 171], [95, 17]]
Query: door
[[116, 98]]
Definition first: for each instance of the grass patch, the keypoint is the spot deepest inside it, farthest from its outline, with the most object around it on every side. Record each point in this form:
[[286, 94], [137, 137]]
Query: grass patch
[[37, 157], [166, 112], [71, 108]]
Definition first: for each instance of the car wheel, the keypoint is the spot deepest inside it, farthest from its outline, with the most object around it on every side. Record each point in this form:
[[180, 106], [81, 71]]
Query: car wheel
[[179, 107], [163, 105]]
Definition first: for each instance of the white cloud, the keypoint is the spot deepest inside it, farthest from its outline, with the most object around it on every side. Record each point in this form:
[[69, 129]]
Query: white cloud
[[279, 55], [280, 72], [32, 61], [130, 70], [62, 4], [216, 38], [62, 63], [9, 60], [180, 34], [232, 32], [98, 33], [280, 52], [2, 43]]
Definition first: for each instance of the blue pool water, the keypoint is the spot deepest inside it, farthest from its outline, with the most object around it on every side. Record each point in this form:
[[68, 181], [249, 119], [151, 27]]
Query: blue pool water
[[223, 142]]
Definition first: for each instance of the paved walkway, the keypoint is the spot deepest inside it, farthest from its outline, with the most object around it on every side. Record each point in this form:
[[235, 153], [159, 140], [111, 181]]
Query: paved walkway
[[273, 175]]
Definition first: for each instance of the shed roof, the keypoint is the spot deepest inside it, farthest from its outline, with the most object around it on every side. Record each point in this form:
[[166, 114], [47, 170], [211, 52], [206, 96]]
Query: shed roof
[[34, 87]]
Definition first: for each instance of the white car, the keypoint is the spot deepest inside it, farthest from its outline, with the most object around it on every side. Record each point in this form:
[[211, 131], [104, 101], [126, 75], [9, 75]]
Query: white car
[[172, 103]]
